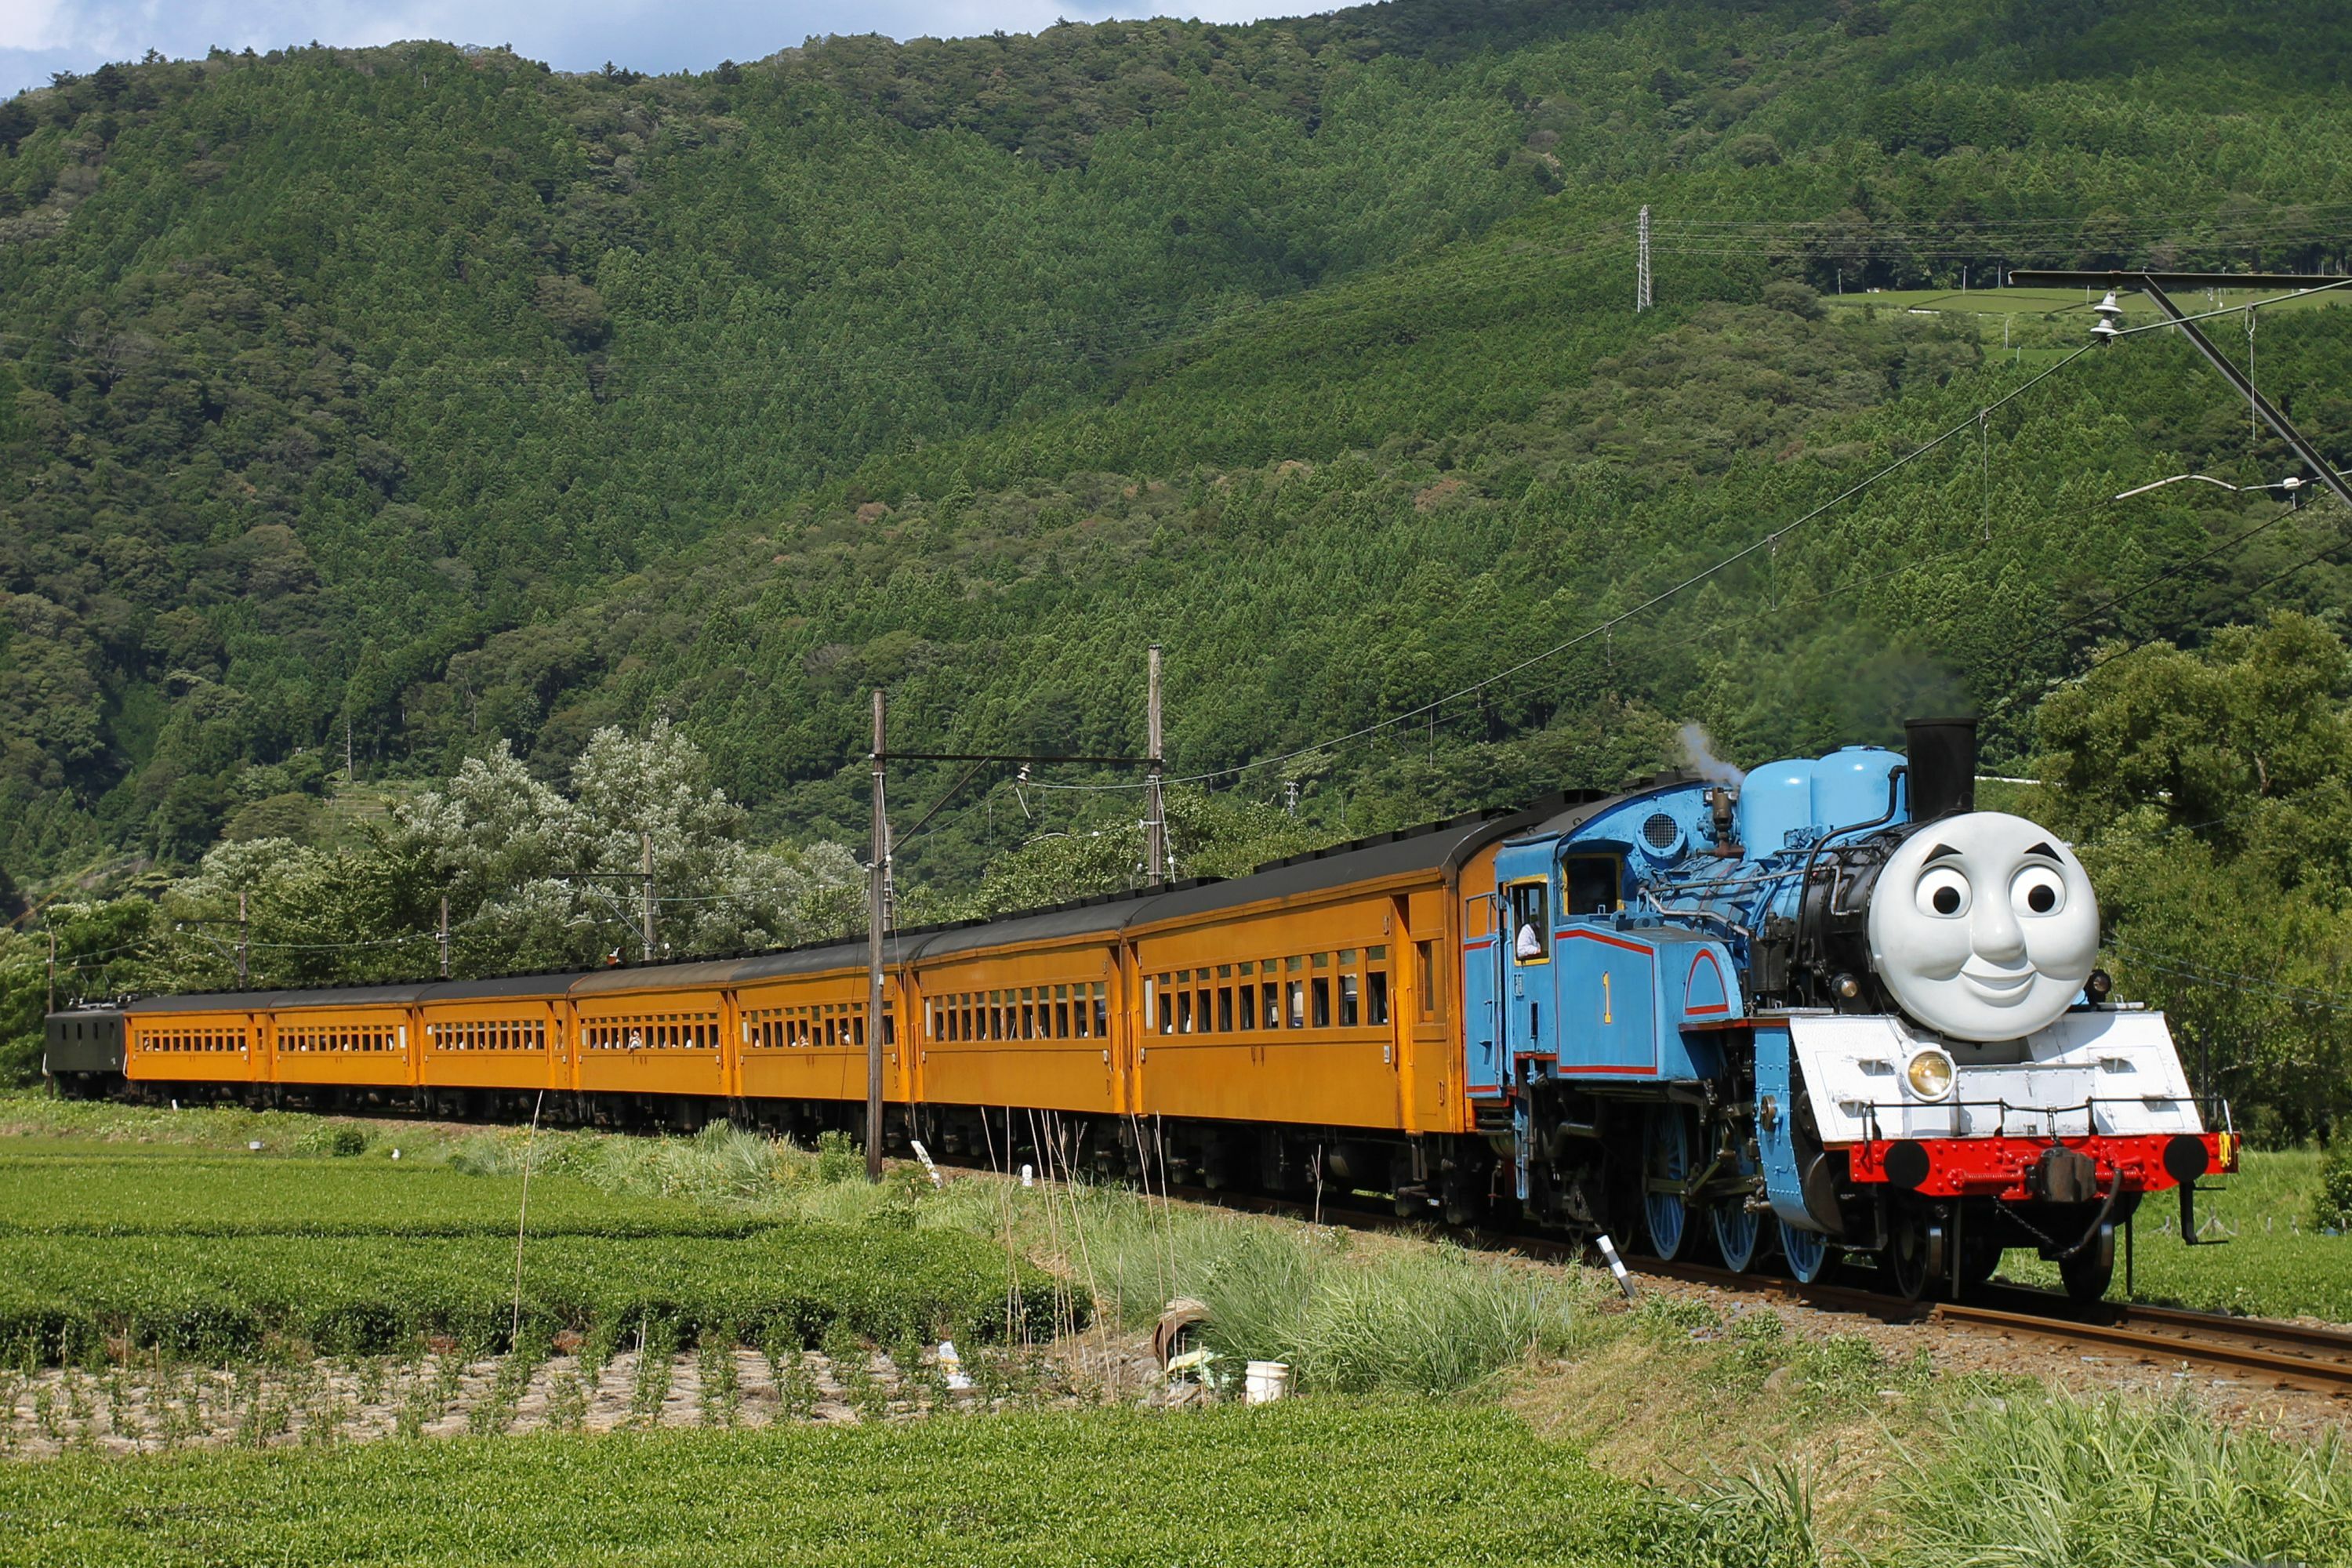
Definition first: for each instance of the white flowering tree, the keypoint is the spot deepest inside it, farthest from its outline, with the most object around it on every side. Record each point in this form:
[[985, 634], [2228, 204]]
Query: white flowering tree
[[536, 878]]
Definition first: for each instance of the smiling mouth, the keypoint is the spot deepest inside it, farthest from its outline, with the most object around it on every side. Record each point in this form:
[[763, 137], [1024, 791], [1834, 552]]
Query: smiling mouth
[[2000, 986]]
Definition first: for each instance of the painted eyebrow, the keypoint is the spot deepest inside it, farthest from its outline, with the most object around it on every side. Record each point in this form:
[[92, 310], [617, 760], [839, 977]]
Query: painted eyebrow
[[2045, 851], [1940, 850]]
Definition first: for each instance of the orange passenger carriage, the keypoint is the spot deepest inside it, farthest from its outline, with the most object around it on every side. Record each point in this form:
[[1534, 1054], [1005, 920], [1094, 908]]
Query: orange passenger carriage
[[357, 1037], [1025, 1012], [800, 1031], [485, 1044], [654, 1035]]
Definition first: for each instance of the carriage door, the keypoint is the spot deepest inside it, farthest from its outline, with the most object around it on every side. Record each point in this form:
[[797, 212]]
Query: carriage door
[[1485, 952]]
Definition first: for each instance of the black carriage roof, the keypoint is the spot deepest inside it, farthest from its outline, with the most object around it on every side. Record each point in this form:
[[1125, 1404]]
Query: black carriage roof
[[1439, 846], [417, 991]]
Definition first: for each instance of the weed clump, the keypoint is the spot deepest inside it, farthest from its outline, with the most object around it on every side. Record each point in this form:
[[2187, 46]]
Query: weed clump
[[2331, 1202], [2049, 1480]]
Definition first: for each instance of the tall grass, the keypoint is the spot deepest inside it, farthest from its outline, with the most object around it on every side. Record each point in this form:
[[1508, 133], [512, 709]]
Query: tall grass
[[1346, 1313], [720, 1164], [2052, 1479], [2055, 1481]]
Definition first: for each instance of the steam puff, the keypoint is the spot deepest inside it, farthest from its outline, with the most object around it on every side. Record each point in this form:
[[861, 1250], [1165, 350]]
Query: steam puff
[[1704, 761]]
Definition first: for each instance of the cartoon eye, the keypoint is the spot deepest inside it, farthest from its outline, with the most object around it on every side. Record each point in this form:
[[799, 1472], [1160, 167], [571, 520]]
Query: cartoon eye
[[2038, 891], [1944, 893]]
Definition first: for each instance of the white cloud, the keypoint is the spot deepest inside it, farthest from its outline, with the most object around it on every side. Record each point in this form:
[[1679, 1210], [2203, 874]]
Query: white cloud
[[39, 36], [31, 25]]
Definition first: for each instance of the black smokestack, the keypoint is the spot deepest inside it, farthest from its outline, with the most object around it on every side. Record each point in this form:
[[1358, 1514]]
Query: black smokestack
[[1943, 776]]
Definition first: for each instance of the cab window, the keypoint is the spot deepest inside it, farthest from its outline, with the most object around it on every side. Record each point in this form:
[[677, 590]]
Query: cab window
[[1595, 884], [1530, 922]]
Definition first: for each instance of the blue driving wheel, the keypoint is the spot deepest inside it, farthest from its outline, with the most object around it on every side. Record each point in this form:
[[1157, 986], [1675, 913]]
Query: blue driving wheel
[[1738, 1229], [1666, 1215], [1807, 1251]]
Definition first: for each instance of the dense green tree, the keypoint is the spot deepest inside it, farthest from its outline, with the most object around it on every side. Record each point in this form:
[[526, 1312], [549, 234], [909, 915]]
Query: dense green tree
[[2210, 791]]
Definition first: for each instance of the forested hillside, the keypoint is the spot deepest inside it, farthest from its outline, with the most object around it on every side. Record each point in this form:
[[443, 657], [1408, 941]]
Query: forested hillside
[[405, 399]]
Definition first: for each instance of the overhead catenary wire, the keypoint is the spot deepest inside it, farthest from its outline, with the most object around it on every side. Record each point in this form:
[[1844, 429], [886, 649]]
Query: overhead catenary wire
[[1603, 627]]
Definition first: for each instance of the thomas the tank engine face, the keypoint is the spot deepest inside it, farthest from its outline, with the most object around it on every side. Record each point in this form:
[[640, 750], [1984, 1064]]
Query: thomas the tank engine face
[[1983, 926]]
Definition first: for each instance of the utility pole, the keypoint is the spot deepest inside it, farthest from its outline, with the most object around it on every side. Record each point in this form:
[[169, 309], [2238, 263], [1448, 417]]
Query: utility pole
[[444, 936], [1155, 823], [240, 941], [878, 875], [53, 971], [1642, 266], [874, 874], [646, 878]]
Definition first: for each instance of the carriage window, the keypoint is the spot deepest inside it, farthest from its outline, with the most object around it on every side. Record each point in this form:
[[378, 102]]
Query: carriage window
[[1062, 1012], [1224, 1009], [1350, 999], [1183, 1012], [1102, 1010], [1424, 976], [1294, 994], [1167, 1009], [1245, 1007], [1595, 884]]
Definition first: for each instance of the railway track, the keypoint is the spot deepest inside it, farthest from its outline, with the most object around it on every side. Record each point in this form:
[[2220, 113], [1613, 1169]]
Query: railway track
[[2281, 1354]]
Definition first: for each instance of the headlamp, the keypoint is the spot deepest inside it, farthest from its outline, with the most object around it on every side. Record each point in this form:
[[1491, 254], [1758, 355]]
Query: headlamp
[[1930, 1074]]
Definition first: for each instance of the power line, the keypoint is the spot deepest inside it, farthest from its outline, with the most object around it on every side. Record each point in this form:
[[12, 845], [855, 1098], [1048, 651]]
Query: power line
[[1604, 627]]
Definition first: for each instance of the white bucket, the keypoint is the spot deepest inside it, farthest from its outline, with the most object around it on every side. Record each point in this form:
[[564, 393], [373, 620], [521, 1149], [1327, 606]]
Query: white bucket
[[1268, 1380]]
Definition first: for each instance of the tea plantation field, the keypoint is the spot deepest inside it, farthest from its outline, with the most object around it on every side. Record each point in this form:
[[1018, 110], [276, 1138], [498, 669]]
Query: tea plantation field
[[1311, 1482], [198, 1254]]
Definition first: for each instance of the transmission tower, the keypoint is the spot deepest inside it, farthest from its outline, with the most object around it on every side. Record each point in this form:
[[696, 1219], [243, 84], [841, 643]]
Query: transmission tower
[[1641, 268]]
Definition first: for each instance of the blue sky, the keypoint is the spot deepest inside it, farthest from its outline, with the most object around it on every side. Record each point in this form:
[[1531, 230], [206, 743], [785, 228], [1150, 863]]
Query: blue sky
[[40, 36]]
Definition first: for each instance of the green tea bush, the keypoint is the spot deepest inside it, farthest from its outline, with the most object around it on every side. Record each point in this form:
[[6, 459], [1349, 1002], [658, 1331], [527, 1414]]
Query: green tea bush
[[1371, 1485], [76, 1297], [80, 1193], [216, 1256], [341, 1140]]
